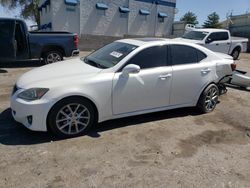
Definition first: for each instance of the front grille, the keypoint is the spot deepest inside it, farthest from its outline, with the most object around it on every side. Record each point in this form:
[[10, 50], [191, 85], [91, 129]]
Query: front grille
[[15, 88]]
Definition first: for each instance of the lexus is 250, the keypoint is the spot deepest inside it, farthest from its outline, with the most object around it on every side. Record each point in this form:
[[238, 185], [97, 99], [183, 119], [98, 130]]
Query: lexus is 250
[[125, 78]]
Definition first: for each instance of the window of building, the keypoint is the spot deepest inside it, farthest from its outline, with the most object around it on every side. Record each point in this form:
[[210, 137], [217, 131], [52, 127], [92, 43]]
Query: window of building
[[151, 57], [144, 13], [124, 11], [101, 8], [181, 54], [162, 16]]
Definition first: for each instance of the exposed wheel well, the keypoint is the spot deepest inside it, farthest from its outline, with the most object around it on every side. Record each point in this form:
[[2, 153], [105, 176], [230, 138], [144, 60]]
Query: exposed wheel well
[[74, 97], [52, 48], [204, 90]]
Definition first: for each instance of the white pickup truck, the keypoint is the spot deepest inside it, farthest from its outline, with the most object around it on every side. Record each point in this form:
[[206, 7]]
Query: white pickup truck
[[218, 40]]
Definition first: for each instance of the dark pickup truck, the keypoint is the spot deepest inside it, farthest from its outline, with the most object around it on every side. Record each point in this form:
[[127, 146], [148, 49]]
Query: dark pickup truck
[[18, 44]]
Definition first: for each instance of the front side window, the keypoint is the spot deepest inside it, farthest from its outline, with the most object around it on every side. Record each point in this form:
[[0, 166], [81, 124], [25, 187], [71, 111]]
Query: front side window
[[6, 29], [109, 55], [218, 36], [181, 55], [150, 57]]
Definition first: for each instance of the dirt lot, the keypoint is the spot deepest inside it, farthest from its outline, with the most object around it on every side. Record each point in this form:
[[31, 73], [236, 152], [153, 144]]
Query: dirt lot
[[177, 148]]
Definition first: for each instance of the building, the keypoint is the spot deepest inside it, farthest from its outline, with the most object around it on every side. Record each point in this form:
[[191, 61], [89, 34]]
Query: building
[[178, 28], [109, 17], [239, 25]]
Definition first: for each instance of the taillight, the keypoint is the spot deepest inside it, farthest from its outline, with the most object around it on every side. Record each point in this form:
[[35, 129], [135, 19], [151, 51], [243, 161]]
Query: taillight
[[233, 66], [76, 41]]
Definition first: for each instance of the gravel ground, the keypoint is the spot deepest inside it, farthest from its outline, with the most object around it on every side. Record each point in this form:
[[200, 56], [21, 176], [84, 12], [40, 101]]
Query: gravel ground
[[176, 148]]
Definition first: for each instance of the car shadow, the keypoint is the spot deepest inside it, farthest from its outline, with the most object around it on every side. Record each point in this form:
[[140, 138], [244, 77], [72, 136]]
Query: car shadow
[[2, 71], [21, 64], [13, 133], [140, 119]]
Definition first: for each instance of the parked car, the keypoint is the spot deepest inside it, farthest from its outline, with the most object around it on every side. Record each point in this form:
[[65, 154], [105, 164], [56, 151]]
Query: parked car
[[125, 78], [17, 43], [218, 40], [240, 78]]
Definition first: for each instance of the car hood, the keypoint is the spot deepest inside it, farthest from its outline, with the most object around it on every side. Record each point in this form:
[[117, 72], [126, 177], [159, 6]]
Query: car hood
[[189, 40], [56, 73]]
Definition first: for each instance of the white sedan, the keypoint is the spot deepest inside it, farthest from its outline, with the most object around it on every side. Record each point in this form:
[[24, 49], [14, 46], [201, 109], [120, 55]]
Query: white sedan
[[125, 78]]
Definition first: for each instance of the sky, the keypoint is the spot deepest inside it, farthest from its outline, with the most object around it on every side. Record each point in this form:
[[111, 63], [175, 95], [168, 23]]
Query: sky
[[202, 8], [12, 13]]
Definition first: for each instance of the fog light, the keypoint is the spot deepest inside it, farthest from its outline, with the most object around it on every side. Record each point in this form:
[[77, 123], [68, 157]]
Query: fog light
[[30, 119]]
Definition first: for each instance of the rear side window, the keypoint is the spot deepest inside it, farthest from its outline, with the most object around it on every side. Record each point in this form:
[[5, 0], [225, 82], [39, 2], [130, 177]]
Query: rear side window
[[219, 36], [150, 57], [181, 54]]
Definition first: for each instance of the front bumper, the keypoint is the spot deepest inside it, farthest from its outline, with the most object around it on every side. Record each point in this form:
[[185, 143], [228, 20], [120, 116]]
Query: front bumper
[[36, 111]]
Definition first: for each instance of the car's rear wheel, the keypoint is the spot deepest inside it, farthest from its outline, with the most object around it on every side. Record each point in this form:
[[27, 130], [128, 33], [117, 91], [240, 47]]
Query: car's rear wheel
[[71, 117], [52, 57], [208, 99]]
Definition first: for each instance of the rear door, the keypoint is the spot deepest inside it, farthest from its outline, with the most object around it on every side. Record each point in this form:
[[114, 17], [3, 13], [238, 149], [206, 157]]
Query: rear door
[[7, 42], [220, 42], [190, 74]]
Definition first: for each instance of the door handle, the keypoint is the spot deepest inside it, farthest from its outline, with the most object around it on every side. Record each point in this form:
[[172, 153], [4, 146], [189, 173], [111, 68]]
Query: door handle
[[217, 44], [205, 71], [165, 76]]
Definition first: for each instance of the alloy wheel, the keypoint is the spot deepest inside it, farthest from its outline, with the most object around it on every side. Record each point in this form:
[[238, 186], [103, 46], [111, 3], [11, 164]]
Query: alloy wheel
[[211, 98], [53, 57], [235, 54], [72, 118]]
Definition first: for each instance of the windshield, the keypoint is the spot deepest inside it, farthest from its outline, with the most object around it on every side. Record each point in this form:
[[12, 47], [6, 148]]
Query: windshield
[[109, 55], [195, 35]]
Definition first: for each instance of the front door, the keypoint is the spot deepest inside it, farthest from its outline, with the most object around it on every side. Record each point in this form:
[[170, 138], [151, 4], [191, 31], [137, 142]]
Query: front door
[[7, 41], [146, 90], [220, 42]]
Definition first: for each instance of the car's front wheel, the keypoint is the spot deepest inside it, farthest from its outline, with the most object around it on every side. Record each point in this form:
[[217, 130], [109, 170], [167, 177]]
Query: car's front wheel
[[208, 99], [71, 117]]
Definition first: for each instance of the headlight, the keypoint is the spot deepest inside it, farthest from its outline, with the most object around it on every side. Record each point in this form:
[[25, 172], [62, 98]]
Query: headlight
[[33, 94]]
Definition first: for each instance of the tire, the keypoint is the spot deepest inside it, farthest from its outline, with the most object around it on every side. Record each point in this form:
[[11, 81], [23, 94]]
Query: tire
[[71, 117], [52, 57], [208, 99], [235, 54]]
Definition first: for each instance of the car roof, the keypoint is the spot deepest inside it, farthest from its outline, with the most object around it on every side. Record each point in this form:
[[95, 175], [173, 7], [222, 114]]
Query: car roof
[[154, 41], [143, 41], [211, 30]]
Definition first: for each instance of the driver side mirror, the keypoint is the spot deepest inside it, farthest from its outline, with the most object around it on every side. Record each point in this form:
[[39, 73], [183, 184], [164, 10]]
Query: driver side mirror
[[208, 40], [131, 69]]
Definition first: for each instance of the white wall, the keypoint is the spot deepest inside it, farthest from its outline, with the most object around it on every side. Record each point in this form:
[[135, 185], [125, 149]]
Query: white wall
[[46, 14], [100, 22], [65, 17], [86, 19]]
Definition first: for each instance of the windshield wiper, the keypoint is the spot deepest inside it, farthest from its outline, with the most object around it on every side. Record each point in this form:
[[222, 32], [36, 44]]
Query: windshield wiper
[[93, 63]]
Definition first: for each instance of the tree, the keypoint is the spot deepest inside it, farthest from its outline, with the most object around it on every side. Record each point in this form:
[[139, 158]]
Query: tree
[[190, 18], [212, 21], [29, 8]]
